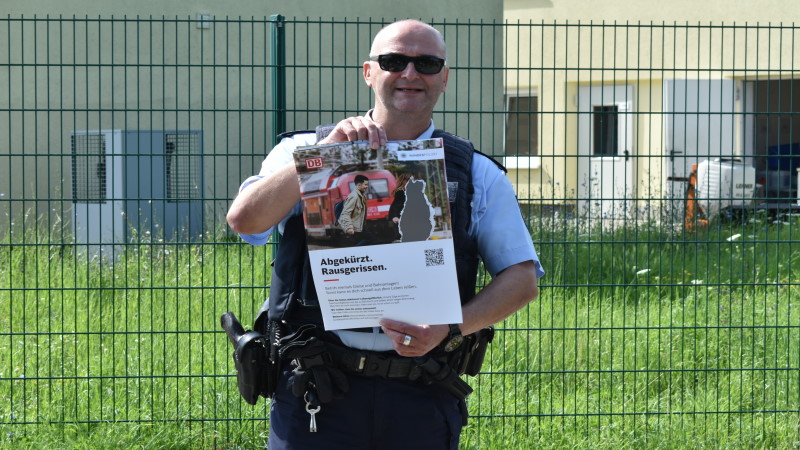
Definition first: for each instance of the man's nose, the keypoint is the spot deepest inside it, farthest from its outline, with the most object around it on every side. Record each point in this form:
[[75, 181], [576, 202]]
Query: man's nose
[[410, 71]]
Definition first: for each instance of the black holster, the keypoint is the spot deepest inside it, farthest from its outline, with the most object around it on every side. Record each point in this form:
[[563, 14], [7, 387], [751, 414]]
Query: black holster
[[469, 359], [255, 355]]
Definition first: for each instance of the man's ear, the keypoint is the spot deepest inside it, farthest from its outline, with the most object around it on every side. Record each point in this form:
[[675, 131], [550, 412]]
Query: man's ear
[[368, 73], [446, 76]]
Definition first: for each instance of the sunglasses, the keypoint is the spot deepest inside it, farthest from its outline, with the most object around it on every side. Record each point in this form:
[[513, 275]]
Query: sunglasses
[[395, 62]]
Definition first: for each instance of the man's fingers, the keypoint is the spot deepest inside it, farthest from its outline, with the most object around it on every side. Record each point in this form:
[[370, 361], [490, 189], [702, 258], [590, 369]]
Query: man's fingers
[[353, 129], [395, 329], [394, 335], [423, 337], [399, 337], [357, 128], [412, 349], [375, 133]]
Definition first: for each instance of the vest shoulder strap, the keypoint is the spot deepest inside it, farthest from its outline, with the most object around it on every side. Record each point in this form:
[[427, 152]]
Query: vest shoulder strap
[[453, 140], [287, 134], [496, 162]]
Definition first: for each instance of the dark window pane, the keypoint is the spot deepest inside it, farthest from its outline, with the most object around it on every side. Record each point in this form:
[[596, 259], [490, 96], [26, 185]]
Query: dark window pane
[[606, 139], [378, 188], [522, 129]]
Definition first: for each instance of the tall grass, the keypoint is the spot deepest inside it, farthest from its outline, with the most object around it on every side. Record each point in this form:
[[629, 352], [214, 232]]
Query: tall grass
[[641, 337], [133, 341]]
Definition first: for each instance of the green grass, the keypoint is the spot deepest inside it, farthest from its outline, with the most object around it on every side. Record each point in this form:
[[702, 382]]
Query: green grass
[[641, 338]]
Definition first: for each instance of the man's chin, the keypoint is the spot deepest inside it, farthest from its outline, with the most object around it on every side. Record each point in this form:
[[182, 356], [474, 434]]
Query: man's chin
[[413, 107]]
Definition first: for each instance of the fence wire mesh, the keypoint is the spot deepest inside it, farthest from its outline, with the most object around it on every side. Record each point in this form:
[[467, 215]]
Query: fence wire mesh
[[655, 163]]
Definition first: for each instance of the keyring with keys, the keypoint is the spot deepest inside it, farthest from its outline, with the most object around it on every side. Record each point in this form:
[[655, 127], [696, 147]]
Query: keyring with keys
[[313, 412]]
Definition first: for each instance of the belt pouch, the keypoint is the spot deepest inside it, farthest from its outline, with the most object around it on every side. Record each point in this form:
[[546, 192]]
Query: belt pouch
[[275, 331]]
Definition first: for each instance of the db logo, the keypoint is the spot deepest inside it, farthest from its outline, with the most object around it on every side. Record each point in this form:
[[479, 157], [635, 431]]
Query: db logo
[[314, 163]]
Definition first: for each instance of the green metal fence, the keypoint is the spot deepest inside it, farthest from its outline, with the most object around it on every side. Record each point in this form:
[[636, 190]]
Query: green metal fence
[[667, 314]]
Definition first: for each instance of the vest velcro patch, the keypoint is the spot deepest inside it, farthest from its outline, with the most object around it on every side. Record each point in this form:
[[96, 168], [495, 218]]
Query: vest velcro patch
[[452, 191]]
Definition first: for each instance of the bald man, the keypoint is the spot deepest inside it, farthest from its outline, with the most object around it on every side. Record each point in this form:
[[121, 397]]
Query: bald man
[[373, 387]]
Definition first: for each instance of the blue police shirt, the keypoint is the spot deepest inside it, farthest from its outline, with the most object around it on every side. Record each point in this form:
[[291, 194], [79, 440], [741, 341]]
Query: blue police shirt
[[502, 236]]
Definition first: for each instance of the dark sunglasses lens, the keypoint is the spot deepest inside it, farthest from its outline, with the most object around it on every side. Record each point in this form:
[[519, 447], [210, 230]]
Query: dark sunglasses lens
[[393, 63], [428, 65]]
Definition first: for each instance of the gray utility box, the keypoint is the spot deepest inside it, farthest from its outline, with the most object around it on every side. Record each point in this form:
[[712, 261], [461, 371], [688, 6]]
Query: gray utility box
[[132, 186]]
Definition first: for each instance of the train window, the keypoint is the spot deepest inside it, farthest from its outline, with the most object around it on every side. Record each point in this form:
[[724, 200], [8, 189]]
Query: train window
[[378, 188], [314, 218]]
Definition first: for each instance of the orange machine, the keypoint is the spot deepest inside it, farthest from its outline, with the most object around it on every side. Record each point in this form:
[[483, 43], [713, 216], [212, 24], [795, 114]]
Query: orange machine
[[695, 218]]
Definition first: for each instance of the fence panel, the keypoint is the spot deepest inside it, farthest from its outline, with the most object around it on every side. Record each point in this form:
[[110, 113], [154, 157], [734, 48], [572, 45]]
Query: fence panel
[[655, 163]]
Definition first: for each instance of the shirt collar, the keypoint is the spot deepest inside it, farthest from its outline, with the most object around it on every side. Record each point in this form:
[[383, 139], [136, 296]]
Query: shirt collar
[[427, 134]]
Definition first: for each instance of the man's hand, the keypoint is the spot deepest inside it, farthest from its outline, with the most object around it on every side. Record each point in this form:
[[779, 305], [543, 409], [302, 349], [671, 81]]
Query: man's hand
[[350, 231], [424, 338], [357, 128]]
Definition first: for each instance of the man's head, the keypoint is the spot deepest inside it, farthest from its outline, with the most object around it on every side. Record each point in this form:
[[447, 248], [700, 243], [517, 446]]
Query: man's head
[[362, 183], [406, 89]]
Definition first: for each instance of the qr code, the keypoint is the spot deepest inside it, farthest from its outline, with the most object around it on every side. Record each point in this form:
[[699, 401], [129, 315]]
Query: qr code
[[434, 257]]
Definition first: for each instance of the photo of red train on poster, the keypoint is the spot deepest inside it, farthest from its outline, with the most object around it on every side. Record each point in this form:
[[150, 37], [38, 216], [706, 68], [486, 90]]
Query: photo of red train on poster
[[379, 232], [328, 177]]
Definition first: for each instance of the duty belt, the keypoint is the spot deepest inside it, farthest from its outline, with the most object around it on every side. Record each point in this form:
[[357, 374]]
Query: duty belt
[[313, 350], [428, 369], [372, 364]]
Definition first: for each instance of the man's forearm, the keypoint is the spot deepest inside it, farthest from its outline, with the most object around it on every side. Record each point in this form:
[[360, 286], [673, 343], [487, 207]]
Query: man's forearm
[[509, 292], [265, 202]]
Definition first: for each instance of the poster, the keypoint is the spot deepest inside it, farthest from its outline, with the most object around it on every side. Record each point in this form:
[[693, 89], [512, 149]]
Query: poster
[[379, 232]]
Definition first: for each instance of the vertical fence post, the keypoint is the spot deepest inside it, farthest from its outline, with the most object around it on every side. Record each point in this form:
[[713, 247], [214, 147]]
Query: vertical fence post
[[278, 63]]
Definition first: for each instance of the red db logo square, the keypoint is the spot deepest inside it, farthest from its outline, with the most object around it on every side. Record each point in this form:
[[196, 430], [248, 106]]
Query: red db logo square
[[314, 163]]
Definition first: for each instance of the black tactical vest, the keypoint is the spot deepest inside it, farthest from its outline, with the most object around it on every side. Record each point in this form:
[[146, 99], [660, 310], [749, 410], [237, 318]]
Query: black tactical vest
[[292, 295]]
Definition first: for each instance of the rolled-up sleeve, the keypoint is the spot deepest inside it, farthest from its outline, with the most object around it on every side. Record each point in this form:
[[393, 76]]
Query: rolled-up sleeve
[[280, 155], [497, 223]]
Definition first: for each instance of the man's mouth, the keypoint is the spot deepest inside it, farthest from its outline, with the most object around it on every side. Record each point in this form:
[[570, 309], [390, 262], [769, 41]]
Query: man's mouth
[[409, 90]]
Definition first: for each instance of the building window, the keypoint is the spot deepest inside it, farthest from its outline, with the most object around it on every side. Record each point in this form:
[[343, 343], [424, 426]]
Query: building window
[[89, 176], [606, 130], [522, 126], [182, 166]]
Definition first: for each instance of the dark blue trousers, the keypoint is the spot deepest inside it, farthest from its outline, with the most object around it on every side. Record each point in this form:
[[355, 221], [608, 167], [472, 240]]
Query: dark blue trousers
[[374, 414]]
